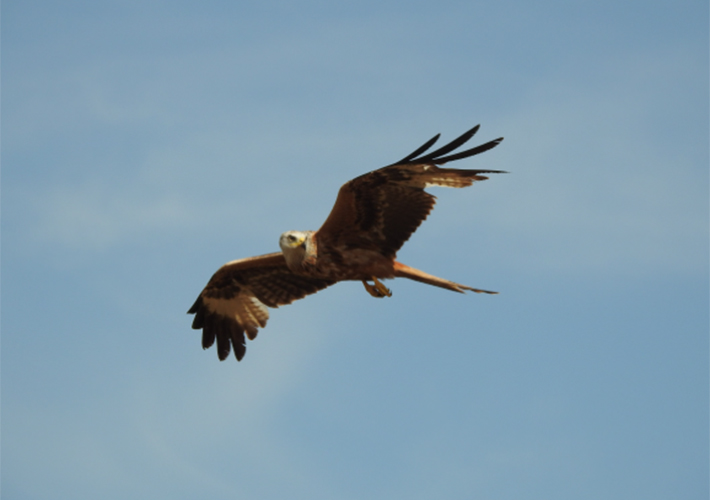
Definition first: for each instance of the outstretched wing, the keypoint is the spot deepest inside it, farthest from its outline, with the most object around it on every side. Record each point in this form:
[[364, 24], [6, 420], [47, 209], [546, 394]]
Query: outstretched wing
[[381, 209], [235, 300]]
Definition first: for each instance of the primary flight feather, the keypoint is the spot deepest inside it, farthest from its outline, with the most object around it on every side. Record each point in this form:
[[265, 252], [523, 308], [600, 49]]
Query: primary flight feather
[[373, 216]]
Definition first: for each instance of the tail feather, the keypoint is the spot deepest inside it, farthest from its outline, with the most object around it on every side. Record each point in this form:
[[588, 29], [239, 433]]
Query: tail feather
[[404, 271]]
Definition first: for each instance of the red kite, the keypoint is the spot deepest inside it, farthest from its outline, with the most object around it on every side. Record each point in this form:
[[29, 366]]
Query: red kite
[[373, 216]]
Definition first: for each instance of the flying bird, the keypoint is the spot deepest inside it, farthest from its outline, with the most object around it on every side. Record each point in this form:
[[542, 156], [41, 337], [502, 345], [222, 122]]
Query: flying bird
[[373, 216]]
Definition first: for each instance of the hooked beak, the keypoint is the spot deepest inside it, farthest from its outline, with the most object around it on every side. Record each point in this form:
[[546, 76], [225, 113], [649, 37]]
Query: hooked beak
[[300, 242]]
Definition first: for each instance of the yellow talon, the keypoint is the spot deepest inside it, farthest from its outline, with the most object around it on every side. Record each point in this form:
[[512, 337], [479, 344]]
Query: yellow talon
[[371, 289], [378, 289]]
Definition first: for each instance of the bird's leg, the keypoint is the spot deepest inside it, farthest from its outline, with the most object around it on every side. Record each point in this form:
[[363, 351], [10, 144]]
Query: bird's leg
[[378, 289], [371, 289], [382, 288]]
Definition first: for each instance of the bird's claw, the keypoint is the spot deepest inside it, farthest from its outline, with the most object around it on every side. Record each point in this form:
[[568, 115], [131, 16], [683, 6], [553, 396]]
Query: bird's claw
[[377, 290]]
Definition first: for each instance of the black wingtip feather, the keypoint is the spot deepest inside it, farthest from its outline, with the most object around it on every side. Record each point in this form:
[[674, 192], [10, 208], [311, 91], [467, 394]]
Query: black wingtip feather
[[240, 347], [239, 344], [419, 150], [199, 311], [196, 306], [460, 140], [199, 320], [208, 338], [438, 157], [221, 331], [468, 153]]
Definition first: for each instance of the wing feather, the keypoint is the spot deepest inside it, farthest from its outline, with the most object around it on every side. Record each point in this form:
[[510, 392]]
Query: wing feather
[[381, 209], [421, 149], [460, 140], [471, 152], [235, 300]]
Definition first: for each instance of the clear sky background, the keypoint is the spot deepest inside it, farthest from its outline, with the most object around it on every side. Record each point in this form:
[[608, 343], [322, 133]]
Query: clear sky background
[[145, 143]]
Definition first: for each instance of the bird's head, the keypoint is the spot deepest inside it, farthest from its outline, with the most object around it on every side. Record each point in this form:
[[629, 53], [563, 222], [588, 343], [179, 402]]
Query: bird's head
[[293, 245], [292, 239]]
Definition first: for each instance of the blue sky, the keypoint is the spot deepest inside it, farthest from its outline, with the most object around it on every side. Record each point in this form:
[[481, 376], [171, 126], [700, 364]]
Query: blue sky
[[146, 143]]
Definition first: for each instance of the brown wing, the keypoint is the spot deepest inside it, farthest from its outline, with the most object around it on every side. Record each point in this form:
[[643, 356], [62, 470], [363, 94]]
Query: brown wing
[[236, 297], [381, 209]]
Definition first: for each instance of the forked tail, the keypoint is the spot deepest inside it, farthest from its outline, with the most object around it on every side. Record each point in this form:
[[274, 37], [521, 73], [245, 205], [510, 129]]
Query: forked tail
[[404, 271]]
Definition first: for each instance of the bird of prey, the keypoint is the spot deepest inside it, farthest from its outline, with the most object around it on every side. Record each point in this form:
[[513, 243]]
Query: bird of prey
[[373, 216]]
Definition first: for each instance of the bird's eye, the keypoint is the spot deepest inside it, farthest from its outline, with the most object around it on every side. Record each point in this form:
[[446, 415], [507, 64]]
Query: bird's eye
[[291, 237]]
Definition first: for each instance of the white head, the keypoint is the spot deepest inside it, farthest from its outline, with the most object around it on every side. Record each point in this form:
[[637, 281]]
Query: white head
[[293, 246], [292, 239]]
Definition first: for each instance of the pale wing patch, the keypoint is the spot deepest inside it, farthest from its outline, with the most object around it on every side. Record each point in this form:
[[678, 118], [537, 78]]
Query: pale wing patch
[[441, 182], [245, 309], [252, 314], [452, 181]]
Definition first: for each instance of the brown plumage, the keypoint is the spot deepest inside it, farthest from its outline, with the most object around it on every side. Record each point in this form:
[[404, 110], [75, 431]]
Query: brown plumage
[[373, 216]]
